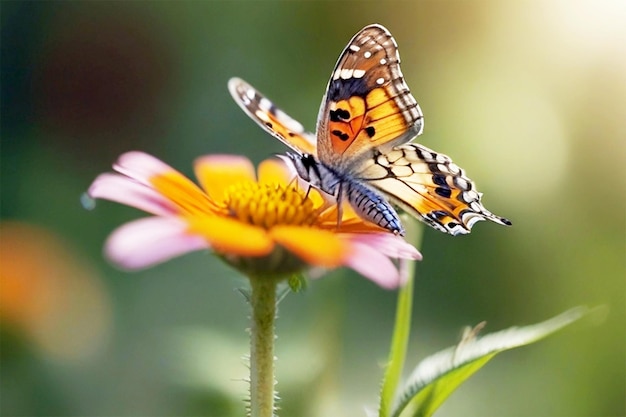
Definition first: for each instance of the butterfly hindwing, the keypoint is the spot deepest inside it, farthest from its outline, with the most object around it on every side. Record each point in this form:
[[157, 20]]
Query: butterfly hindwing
[[275, 121], [367, 103], [429, 186]]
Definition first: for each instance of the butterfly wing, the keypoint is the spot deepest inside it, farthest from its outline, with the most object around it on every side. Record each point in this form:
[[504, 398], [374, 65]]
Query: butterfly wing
[[429, 186], [272, 119], [366, 117], [367, 104]]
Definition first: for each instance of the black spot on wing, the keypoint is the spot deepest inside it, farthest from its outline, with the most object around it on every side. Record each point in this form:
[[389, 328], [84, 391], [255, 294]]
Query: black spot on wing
[[339, 115], [433, 167], [437, 214], [371, 131], [439, 179], [341, 89], [444, 192], [342, 136]]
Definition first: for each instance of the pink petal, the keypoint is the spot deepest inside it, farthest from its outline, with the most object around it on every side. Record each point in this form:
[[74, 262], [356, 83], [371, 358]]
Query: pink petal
[[140, 166], [372, 264], [121, 189], [388, 244], [149, 241]]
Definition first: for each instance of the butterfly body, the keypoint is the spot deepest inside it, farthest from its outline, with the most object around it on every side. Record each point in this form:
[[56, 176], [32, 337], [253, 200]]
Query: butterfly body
[[361, 152], [365, 201]]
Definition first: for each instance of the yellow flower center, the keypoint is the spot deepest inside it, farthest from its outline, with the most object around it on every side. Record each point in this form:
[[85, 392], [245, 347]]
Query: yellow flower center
[[268, 205]]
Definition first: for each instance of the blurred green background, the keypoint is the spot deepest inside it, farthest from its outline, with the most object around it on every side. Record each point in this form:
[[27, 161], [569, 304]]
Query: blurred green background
[[528, 97]]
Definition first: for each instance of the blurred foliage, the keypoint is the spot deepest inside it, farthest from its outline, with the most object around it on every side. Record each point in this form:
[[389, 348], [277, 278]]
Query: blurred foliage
[[528, 97]]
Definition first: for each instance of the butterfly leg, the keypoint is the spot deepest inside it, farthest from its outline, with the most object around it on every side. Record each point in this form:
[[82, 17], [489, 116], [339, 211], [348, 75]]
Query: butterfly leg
[[339, 205], [294, 182], [308, 190]]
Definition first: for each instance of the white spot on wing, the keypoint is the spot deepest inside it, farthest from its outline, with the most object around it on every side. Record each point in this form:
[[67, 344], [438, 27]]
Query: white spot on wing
[[461, 183], [265, 104], [367, 54], [358, 73], [380, 81], [354, 48], [471, 195], [290, 123], [262, 115]]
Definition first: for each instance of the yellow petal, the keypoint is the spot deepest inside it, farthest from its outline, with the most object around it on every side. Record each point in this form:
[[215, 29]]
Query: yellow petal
[[183, 192], [274, 171], [216, 172], [314, 246], [232, 237]]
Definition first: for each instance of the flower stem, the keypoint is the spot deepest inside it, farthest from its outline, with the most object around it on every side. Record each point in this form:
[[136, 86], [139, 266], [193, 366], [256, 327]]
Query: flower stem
[[263, 302]]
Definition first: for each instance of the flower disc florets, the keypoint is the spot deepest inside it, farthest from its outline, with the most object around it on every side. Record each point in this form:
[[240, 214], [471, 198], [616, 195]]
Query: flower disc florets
[[269, 205]]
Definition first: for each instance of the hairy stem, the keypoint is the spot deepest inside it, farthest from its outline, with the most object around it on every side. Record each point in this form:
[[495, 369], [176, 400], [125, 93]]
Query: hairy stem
[[263, 302]]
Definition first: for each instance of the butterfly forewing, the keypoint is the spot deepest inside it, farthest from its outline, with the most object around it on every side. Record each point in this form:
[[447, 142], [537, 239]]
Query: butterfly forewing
[[275, 121], [367, 104], [429, 186]]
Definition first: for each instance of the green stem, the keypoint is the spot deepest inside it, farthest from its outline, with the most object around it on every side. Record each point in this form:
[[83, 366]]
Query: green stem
[[263, 302], [402, 327]]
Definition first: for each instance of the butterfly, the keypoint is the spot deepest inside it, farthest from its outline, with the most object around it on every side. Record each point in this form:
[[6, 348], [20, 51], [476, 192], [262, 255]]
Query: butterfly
[[362, 151]]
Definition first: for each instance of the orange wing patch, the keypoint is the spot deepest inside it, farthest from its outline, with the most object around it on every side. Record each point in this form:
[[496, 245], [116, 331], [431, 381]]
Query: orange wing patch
[[375, 119], [384, 118], [345, 122], [276, 123]]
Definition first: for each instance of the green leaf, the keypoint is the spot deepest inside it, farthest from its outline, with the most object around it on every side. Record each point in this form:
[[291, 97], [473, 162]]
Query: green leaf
[[437, 376], [402, 328], [297, 283]]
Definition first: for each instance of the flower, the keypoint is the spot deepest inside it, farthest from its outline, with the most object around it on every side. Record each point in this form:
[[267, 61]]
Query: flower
[[264, 227], [51, 298]]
